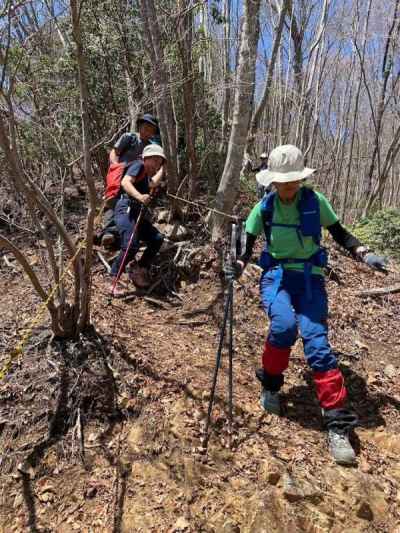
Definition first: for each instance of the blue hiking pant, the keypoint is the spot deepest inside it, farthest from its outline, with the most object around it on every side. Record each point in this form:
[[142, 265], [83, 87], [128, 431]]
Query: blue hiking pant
[[125, 218], [291, 307], [290, 310]]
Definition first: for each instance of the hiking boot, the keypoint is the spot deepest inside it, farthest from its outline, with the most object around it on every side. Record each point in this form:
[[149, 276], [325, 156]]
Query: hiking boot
[[270, 401], [117, 291], [140, 277], [107, 240], [97, 239], [340, 448]]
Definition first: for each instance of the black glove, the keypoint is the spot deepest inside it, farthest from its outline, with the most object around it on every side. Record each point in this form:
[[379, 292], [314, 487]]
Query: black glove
[[375, 261], [234, 271]]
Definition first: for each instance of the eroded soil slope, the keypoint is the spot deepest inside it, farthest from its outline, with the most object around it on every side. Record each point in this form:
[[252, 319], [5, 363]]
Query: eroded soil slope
[[106, 431]]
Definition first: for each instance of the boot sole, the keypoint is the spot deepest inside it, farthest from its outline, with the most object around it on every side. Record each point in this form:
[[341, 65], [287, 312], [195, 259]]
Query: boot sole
[[344, 462]]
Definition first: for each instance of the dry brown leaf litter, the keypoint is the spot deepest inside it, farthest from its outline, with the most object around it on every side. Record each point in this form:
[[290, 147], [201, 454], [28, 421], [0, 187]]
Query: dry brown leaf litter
[[142, 388]]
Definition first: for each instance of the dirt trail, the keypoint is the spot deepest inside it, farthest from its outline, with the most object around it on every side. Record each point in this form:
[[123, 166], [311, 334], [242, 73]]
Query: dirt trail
[[135, 394]]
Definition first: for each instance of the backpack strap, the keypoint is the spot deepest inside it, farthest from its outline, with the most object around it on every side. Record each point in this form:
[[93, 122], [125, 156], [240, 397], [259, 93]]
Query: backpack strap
[[133, 141], [142, 174], [310, 226], [267, 213], [139, 177], [310, 221]]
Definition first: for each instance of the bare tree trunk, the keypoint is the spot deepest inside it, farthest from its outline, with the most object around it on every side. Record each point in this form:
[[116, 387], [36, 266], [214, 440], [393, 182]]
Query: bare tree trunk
[[355, 117], [67, 320], [61, 33], [391, 155], [84, 307], [19, 256], [133, 109], [35, 200], [387, 68], [227, 75], [244, 95], [305, 111], [297, 38], [185, 43], [162, 91], [205, 62], [256, 118]]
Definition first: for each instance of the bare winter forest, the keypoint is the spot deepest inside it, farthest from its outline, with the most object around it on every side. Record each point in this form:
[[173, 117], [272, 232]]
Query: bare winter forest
[[323, 75], [102, 404]]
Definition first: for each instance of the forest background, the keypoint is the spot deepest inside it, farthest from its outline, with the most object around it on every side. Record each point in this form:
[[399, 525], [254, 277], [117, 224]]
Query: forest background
[[103, 402], [227, 79]]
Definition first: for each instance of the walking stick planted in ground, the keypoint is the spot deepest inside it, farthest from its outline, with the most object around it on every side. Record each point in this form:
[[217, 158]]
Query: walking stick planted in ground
[[228, 316]]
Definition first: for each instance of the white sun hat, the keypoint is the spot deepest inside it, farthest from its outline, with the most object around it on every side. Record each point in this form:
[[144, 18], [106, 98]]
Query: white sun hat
[[153, 150], [285, 164]]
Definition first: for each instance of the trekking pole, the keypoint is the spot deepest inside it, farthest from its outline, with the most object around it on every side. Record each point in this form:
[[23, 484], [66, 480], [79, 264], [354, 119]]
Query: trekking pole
[[232, 261], [216, 369], [228, 314], [131, 238]]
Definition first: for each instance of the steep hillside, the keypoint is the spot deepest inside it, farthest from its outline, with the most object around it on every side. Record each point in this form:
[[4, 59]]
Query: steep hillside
[[107, 430]]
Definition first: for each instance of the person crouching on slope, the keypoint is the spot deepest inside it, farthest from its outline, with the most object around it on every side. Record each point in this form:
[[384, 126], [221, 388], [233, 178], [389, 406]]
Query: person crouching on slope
[[127, 149], [293, 288], [141, 178]]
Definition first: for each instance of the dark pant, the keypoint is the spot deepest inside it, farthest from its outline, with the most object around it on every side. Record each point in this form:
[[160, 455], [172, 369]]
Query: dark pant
[[109, 225], [125, 217]]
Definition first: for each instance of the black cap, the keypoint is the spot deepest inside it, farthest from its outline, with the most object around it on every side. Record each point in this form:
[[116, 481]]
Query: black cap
[[147, 119]]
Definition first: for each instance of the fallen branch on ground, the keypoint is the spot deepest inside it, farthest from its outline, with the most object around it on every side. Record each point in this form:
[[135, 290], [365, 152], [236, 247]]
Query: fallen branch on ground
[[103, 260], [380, 291], [9, 264]]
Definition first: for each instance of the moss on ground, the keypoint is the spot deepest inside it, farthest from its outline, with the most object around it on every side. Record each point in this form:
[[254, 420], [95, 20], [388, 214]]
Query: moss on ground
[[381, 231]]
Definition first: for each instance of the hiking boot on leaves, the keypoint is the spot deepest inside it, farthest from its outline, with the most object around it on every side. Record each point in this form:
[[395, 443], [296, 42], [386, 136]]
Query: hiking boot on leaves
[[107, 240], [97, 239], [340, 448], [140, 277], [117, 291], [270, 401]]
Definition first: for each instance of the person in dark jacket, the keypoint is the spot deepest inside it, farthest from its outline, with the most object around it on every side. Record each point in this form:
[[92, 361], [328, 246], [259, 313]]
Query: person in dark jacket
[[127, 149], [141, 178], [130, 146], [261, 190], [293, 291]]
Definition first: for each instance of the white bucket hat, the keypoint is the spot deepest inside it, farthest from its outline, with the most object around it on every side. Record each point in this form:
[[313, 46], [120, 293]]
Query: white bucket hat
[[264, 155], [285, 164], [153, 150]]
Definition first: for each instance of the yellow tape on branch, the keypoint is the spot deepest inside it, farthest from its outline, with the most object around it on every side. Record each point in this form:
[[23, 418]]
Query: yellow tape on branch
[[41, 311]]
